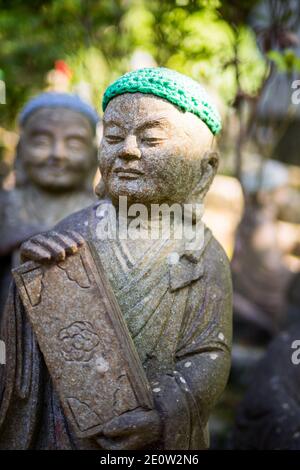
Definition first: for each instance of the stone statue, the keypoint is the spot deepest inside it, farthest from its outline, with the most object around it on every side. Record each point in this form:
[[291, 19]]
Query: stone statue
[[157, 148], [260, 277], [55, 164], [269, 415]]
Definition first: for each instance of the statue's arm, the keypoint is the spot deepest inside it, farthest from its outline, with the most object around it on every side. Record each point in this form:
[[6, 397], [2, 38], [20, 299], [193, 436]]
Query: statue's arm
[[188, 394]]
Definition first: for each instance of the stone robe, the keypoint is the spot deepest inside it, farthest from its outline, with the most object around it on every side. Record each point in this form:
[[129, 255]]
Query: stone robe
[[179, 316]]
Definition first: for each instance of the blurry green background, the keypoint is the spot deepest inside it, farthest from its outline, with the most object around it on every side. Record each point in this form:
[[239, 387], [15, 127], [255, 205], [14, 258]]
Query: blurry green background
[[99, 39], [233, 47]]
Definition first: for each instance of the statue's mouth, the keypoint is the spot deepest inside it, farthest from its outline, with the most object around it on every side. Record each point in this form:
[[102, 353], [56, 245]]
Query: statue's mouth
[[129, 173], [60, 166]]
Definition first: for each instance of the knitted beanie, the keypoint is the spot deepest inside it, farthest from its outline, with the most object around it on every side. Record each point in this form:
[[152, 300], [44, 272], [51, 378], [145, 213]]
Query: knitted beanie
[[59, 100], [178, 89]]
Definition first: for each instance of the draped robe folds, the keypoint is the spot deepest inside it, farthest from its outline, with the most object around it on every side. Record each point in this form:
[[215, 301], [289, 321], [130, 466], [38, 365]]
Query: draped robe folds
[[179, 316]]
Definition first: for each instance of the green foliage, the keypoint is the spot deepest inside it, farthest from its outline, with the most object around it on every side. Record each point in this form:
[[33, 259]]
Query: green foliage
[[286, 61], [33, 34], [197, 38], [207, 39]]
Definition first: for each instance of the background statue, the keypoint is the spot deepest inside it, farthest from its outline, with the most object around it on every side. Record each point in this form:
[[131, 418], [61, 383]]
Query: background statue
[[55, 164], [269, 415], [260, 277], [157, 147]]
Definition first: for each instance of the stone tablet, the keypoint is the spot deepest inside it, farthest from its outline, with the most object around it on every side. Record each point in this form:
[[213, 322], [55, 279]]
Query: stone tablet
[[84, 339]]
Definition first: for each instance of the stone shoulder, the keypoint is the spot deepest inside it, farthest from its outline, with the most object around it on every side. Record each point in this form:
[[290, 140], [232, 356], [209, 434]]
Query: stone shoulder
[[217, 265], [79, 221]]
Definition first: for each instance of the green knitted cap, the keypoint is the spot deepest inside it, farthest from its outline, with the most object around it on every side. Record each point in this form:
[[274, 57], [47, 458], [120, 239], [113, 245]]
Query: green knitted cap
[[179, 89]]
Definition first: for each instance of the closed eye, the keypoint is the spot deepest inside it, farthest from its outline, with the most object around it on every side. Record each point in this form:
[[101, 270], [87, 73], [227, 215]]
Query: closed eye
[[152, 141], [75, 142], [41, 140], [114, 139]]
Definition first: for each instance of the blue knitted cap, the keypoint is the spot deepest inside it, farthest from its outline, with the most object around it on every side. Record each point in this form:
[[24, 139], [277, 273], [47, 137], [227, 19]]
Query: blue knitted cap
[[59, 100], [178, 89]]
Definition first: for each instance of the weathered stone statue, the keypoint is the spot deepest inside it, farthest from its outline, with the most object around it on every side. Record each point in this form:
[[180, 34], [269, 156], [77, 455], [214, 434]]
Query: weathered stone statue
[[260, 277], [55, 164], [269, 416], [157, 148]]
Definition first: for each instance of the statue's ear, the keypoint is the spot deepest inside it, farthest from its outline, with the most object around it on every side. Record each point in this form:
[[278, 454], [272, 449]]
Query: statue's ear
[[209, 166], [100, 189]]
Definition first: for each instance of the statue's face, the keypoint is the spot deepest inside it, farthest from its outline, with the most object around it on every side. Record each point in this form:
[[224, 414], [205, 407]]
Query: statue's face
[[57, 148], [151, 151]]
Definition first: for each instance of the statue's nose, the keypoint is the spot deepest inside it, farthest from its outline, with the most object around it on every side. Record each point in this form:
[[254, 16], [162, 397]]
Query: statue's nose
[[58, 151], [130, 148]]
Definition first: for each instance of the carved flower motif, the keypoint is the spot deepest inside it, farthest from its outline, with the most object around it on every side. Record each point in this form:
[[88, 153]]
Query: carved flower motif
[[78, 341]]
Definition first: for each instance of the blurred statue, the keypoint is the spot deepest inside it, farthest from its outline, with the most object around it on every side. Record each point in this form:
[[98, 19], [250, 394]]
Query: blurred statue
[[157, 148], [260, 276], [55, 164], [269, 415]]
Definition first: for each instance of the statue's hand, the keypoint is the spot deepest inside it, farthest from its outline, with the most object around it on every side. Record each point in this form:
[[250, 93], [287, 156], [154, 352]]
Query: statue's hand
[[131, 431], [51, 246]]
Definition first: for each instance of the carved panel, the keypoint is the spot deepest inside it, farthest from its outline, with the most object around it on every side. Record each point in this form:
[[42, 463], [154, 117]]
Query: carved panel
[[84, 339]]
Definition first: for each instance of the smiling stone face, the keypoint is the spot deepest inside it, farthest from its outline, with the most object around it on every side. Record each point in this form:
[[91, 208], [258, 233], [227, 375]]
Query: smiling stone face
[[151, 151], [57, 148]]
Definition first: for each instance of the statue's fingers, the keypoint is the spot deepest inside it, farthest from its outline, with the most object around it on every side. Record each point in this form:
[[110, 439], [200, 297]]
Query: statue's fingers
[[69, 244], [75, 236], [117, 427], [47, 242], [32, 251], [130, 423]]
